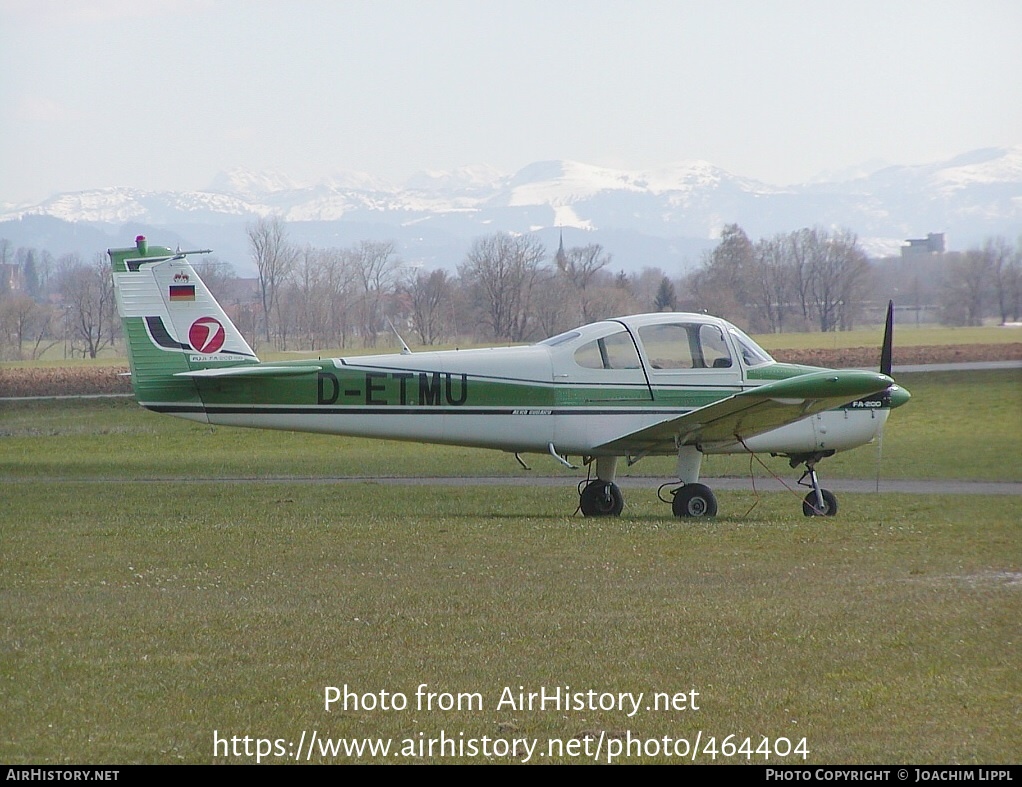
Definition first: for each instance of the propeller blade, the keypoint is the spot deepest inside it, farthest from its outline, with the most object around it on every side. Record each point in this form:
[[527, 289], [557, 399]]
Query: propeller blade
[[887, 350]]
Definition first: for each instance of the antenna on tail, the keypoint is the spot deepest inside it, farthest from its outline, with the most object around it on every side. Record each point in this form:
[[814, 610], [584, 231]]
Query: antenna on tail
[[405, 349]]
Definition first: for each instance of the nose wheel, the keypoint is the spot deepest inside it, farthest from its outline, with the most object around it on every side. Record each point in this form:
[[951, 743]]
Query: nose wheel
[[813, 506], [819, 502]]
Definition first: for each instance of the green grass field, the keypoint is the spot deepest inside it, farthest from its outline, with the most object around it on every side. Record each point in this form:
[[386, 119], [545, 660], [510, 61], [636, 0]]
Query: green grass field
[[139, 618], [140, 615], [905, 336]]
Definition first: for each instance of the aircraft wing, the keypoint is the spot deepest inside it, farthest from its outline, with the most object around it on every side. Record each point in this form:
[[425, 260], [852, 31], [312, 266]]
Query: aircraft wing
[[753, 411]]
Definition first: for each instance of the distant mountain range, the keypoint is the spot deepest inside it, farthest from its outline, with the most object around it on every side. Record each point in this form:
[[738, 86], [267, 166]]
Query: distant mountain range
[[665, 217]]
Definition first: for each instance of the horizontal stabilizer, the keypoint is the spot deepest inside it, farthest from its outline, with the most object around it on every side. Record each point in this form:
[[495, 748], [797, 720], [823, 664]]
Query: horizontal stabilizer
[[252, 371]]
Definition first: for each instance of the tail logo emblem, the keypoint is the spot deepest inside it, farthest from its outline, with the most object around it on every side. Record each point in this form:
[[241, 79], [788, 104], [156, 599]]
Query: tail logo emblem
[[206, 335]]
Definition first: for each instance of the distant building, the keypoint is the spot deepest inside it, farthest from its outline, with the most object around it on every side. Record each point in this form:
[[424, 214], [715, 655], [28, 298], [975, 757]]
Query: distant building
[[933, 243], [10, 277], [561, 258]]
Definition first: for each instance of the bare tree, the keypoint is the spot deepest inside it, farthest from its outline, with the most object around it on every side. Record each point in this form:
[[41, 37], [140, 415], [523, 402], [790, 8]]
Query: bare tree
[[88, 293], [802, 246], [551, 294], [581, 265], [6, 256], [501, 271], [965, 288], [217, 275], [338, 288], [645, 286], [837, 275], [721, 286], [274, 257], [430, 294], [376, 267], [823, 275], [612, 300], [24, 321], [1013, 282], [772, 284], [1000, 257], [304, 302]]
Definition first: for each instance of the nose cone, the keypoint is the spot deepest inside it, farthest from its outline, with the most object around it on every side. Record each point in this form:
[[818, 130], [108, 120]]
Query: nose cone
[[898, 395]]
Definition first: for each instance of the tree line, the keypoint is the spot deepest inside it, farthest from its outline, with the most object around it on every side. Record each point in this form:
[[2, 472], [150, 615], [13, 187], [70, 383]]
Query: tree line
[[511, 288], [508, 288]]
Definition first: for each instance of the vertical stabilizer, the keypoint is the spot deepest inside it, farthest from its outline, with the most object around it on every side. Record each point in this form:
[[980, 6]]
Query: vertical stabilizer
[[171, 324]]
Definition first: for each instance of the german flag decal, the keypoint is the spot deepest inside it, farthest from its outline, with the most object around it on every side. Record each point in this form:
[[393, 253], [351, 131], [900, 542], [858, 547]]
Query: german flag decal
[[182, 292]]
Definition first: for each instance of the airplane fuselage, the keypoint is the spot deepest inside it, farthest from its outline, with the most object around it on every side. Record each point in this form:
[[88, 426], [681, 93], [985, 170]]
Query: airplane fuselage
[[520, 399]]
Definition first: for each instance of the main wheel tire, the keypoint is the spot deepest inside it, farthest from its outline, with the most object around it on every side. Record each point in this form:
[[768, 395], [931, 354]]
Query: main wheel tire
[[601, 498], [811, 508], [693, 500]]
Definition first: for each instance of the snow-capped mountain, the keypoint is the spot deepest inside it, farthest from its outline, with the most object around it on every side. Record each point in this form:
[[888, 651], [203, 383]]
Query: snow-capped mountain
[[658, 217], [252, 186], [463, 180]]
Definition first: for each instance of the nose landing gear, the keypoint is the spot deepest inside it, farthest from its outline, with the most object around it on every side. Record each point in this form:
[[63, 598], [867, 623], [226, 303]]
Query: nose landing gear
[[819, 502]]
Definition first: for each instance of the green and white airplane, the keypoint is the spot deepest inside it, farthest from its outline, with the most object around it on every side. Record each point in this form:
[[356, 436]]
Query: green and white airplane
[[671, 383]]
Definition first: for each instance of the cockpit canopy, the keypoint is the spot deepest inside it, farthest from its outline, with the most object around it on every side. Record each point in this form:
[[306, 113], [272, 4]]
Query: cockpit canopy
[[664, 342]]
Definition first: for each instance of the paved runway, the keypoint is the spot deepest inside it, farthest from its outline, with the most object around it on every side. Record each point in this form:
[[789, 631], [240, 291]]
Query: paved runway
[[729, 484]]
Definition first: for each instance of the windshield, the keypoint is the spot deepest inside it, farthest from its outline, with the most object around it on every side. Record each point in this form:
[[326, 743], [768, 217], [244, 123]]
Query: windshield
[[752, 353]]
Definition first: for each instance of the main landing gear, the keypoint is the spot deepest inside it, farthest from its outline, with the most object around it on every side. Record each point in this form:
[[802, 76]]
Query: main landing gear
[[601, 496], [691, 500]]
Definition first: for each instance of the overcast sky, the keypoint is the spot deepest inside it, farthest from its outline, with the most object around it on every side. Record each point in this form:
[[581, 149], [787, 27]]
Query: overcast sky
[[164, 94]]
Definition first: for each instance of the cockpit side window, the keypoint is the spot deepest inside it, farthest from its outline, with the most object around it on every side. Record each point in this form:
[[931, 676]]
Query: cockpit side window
[[713, 345], [667, 346], [621, 352], [616, 351], [686, 346]]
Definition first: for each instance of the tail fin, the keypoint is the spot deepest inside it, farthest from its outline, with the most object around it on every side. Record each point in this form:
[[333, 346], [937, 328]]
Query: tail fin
[[172, 324]]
